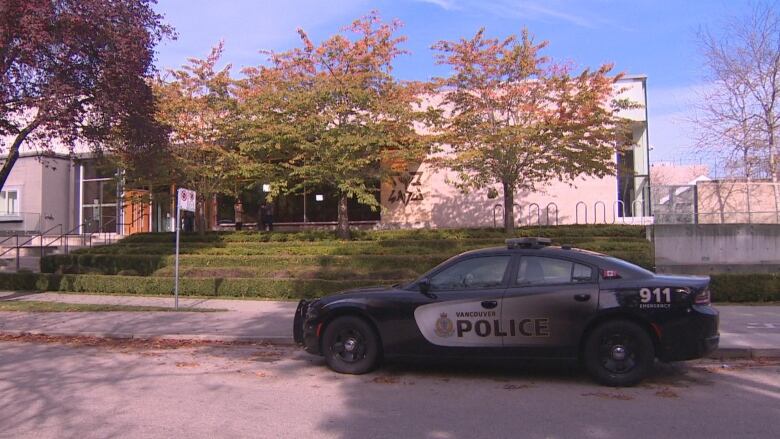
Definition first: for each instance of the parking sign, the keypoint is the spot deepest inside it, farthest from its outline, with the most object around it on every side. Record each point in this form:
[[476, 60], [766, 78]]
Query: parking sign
[[187, 200]]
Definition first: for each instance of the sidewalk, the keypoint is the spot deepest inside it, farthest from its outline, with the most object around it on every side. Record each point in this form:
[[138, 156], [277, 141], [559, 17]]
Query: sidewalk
[[746, 331], [243, 320]]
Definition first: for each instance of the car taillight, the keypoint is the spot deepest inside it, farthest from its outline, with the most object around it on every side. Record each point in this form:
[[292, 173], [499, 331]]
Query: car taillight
[[610, 274], [703, 297]]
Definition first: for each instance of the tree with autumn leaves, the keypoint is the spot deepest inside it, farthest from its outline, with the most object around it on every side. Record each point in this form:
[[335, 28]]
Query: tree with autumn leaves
[[198, 104], [332, 114], [326, 114], [514, 118], [77, 71]]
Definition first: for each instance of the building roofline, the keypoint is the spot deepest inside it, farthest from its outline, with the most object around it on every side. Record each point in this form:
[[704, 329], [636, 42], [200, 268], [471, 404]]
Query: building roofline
[[640, 76]]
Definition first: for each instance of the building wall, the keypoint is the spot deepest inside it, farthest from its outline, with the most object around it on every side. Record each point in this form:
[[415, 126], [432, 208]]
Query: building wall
[[716, 248], [46, 196], [428, 199], [727, 201], [27, 177], [664, 173], [58, 200]]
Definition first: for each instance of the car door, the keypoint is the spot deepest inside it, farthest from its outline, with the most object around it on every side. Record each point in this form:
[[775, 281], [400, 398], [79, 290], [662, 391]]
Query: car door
[[464, 306], [547, 303]]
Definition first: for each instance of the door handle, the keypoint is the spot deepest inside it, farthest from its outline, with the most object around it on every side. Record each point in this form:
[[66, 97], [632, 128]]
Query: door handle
[[582, 297], [489, 304]]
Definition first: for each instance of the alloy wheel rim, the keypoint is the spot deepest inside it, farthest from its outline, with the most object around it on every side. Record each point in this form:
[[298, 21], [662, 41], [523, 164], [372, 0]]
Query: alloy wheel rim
[[349, 346], [618, 353]]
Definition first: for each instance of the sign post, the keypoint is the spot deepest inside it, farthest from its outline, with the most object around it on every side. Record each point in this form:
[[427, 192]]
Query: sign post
[[185, 200]]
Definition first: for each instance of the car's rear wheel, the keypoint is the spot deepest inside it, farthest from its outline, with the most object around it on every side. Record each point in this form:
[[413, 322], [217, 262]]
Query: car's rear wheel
[[350, 345], [619, 353]]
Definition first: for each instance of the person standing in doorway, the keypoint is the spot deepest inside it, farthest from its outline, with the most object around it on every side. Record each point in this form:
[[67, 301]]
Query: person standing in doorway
[[238, 210], [267, 216]]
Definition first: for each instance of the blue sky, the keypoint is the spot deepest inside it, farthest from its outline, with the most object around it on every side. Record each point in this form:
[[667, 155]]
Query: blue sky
[[656, 38]]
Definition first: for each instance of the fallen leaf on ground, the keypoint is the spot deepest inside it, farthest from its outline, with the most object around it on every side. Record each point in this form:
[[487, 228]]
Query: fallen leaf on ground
[[667, 393], [186, 364], [606, 395], [515, 386], [385, 380]]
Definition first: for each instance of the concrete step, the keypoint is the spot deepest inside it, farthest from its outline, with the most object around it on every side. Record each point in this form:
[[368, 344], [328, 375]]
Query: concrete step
[[26, 263]]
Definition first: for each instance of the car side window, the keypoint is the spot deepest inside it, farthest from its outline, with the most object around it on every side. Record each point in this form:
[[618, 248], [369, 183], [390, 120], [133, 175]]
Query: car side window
[[536, 270], [473, 273]]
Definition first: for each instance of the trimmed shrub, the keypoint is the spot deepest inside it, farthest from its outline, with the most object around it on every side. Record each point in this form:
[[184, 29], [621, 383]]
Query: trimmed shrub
[[759, 287], [105, 264], [378, 235], [146, 265], [734, 288], [265, 288]]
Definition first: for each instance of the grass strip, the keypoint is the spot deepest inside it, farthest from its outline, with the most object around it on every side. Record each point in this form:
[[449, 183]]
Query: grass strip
[[46, 306]]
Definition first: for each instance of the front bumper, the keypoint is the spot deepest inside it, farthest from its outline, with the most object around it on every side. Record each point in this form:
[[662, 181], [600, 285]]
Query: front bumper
[[693, 337], [300, 316], [306, 326]]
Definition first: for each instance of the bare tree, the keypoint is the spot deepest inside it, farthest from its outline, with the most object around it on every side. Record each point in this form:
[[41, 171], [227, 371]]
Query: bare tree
[[738, 117]]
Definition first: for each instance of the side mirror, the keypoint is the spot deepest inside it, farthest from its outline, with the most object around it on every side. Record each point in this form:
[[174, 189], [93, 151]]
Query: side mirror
[[424, 285]]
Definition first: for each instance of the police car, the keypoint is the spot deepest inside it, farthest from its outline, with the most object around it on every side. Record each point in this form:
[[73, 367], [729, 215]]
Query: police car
[[525, 300]]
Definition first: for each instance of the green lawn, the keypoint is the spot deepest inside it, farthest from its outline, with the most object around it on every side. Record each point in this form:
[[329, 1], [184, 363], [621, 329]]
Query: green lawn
[[43, 306]]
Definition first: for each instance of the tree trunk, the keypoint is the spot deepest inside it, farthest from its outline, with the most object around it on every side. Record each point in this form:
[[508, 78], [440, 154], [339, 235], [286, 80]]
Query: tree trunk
[[509, 209], [13, 152], [342, 229], [200, 217]]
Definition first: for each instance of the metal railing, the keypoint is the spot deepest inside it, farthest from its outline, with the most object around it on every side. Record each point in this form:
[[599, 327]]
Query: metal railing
[[18, 246], [63, 238]]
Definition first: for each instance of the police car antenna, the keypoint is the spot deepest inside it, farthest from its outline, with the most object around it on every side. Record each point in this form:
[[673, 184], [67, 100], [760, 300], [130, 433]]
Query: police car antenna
[[528, 242]]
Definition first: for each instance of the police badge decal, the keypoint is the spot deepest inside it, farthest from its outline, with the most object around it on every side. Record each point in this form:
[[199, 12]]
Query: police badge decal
[[444, 326]]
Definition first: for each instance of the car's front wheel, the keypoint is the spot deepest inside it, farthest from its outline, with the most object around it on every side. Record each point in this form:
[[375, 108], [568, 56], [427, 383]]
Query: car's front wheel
[[351, 345], [619, 353]]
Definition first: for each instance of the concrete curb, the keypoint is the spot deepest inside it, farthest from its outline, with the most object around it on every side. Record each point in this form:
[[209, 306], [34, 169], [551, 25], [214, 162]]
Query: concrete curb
[[277, 340], [741, 353]]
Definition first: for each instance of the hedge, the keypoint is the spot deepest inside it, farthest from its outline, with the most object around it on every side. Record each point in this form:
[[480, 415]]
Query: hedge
[[264, 288], [616, 230], [292, 272], [104, 264], [733, 288], [146, 265], [356, 247], [745, 287]]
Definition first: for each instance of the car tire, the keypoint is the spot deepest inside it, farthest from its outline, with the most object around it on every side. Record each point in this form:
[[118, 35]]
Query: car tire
[[350, 345], [618, 353]]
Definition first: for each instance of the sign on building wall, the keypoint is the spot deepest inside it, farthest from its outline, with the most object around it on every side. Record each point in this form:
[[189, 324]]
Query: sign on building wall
[[406, 187], [187, 200]]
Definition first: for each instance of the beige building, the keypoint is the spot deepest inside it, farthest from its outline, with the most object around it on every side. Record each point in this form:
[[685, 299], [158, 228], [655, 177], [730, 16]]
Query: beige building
[[423, 197]]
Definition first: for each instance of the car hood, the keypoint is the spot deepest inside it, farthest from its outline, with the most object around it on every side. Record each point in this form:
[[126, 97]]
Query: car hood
[[357, 293], [698, 281]]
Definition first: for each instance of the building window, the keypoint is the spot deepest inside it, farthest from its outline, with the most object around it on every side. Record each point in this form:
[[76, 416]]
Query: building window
[[99, 198], [9, 202]]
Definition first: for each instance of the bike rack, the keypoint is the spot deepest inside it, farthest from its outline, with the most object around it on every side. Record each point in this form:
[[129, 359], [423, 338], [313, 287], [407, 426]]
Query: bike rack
[[538, 214], [634, 209], [577, 212], [596, 212], [547, 213], [518, 212], [495, 224], [615, 205]]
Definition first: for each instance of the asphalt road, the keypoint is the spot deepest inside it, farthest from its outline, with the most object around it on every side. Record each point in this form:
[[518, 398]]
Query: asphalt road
[[144, 389]]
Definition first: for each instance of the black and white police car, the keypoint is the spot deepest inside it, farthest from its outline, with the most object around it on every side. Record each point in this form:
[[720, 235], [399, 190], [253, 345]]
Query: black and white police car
[[526, 300]]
